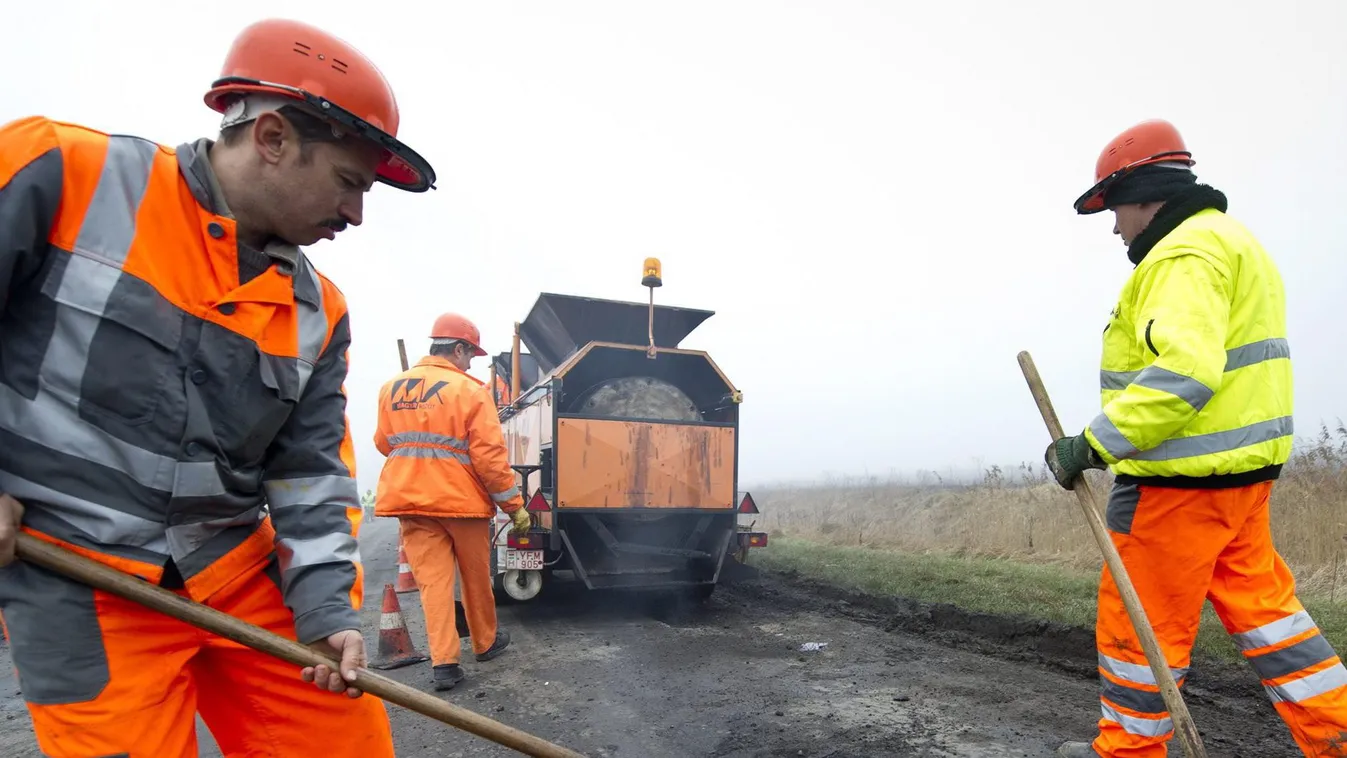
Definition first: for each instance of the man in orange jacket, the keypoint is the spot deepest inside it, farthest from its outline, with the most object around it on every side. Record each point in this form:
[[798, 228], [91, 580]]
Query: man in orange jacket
[[446, 473], [171, 404]]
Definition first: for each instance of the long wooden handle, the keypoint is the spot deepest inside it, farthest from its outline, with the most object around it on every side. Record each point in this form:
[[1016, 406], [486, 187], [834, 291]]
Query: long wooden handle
[[97, 575], [402, 353], [1178, 711]]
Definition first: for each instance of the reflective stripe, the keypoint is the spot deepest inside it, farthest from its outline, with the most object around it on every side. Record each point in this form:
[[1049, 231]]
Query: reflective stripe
[[430, 452], [1235, 358], [1138, 673], [426, 438], [404, 445], [1186, 388], [106, 525], [1274, 632], [1138, 726], [1257, 352], [504, 497], [312, 329], [1310, 686], [1187, 447], [56, 424], [312, 490], [1141, 701], [1289, 660], [197, 479], [329, 548], [186, 539]]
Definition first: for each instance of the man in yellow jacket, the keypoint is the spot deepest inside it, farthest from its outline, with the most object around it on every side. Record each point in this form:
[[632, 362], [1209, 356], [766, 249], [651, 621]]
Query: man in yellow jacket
[[1196, 424], [447, 472]]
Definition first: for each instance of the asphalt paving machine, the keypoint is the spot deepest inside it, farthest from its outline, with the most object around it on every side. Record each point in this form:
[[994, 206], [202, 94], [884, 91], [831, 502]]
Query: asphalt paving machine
[[625, 446]]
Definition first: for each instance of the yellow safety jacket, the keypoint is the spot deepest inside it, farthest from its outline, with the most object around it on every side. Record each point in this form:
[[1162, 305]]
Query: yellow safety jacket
[[1195, 378]]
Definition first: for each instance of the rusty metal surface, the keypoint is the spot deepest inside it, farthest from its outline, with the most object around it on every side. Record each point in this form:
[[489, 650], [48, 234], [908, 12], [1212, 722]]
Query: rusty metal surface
[[609, 463]]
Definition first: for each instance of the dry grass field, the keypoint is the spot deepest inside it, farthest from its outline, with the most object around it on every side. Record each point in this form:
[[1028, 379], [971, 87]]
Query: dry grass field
[[1015, 542]]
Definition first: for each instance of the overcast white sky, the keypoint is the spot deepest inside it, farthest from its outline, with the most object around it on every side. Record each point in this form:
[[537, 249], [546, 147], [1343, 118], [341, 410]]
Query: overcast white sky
[[875, 198]]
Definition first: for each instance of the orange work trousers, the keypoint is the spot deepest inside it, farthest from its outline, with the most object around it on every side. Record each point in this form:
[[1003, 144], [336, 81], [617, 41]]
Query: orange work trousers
[[1184, 546], [103, 676], [434, 546]]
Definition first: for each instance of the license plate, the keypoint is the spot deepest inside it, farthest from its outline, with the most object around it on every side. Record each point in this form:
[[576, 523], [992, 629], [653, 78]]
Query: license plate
[[524, 560]]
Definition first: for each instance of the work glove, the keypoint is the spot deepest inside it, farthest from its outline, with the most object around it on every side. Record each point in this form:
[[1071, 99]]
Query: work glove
[[1069, 456], [522, 521]]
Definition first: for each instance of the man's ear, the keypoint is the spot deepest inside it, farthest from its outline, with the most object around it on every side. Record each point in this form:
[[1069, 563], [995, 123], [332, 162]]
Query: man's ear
[[270, 134]]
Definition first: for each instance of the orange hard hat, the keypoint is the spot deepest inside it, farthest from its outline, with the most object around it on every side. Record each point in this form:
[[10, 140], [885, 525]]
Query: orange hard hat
[[298, 61], [1153, 141], [451, 326]]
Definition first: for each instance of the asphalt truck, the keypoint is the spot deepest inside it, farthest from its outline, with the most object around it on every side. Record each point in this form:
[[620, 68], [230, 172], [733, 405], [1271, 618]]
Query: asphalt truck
[[625, 446]]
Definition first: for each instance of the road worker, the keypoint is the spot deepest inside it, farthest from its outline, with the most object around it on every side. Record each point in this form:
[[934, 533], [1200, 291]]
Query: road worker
[[447, 472], [170, 363], [503, 396], [1196, 425]]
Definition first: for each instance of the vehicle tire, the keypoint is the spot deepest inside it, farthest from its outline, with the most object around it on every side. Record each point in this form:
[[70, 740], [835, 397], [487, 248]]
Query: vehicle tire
[[519, 586]]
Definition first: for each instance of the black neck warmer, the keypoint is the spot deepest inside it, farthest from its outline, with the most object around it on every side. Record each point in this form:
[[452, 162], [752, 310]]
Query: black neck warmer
[[1177, 209]]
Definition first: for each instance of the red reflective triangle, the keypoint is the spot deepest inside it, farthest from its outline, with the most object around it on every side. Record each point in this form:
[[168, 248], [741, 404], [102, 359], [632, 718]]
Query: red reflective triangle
[[538, 503], [747, 505]]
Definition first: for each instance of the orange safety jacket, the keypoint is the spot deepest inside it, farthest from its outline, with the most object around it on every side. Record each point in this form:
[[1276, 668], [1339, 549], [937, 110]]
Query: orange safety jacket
[[446, 452], [155, 414], [503, 396]]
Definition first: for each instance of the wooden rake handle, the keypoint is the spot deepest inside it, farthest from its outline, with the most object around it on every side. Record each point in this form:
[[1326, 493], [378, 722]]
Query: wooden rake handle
[[1178, 711], [94, 574]]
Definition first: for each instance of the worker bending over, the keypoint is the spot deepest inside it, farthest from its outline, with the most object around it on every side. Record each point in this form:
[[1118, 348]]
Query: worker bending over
[[1196, 425], [446, 473], [171, 363]]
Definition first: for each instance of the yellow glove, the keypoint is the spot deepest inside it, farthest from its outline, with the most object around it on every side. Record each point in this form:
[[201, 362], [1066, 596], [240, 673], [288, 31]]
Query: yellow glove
[[522, 520]]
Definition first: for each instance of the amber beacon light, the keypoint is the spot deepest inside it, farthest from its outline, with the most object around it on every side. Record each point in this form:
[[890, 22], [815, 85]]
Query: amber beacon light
[[650, 277]]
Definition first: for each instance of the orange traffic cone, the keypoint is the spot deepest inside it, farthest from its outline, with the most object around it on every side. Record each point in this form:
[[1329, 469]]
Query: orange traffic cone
[[395, 642], [406, 582]]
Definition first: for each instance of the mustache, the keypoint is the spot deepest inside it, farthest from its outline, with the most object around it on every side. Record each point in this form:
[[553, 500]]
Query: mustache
[[335, 224]]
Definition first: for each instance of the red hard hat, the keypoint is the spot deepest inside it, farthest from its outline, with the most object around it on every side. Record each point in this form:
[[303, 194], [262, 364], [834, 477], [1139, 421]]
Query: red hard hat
[[295, 60], [1154, 141], [451, 326]]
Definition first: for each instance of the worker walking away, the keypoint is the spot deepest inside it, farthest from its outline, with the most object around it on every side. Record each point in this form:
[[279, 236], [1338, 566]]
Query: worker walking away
[[447, 472], [1196, 425], [170, 364]]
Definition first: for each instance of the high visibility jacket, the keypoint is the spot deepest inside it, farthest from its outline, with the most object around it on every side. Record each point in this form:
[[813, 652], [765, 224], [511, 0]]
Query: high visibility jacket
[[503, 391], [1196, 371], [150, 405], [446, 452]]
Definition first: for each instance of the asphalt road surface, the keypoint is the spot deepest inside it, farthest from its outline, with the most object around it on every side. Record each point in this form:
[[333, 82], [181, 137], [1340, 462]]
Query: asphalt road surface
[[769, 666]]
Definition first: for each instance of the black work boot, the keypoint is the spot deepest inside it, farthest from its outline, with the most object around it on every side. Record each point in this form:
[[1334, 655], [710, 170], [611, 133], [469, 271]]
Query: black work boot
[[497, 647], [446, 676]]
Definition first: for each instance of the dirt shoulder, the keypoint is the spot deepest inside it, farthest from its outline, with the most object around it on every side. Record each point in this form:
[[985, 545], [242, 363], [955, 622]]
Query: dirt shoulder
[[1225, 698]]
